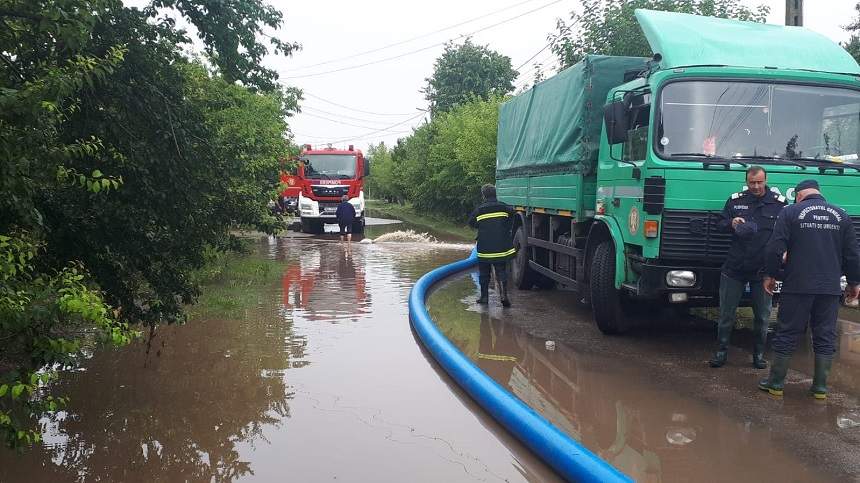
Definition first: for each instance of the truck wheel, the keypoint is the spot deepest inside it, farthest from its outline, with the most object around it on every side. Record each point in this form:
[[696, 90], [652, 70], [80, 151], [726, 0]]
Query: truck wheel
[[521, 274], [605, 298], [314, 227], [358, 226]]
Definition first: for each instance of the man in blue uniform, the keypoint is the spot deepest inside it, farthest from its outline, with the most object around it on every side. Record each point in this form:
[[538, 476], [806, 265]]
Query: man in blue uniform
[[494, 221], [749, 215], [345, 215], [815, 240]]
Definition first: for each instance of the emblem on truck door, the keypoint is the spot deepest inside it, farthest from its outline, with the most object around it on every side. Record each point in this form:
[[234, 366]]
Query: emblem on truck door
[[633, 220]]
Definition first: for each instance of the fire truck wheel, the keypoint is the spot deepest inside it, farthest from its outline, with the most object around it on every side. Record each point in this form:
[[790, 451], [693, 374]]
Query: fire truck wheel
[[358, 226]]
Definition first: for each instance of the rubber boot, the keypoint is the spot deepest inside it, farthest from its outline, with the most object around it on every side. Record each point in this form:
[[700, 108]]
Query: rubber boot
[[758, 346], [819, 380], [484, 299], [722, 354], [776, 381], [506, 302]]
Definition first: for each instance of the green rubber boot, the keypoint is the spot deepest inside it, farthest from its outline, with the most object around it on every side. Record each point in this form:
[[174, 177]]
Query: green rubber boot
[[776, 381], [484, 299], [819, 380], [506, 301], [724, 334]]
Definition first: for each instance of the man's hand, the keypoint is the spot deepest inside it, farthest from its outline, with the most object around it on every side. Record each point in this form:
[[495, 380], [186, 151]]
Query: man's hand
[[769, 284], [737, 221], [852, 292]]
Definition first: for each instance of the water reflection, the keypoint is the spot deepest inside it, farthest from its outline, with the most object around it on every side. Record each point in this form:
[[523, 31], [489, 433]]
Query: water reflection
[[632, 418], [329, 287]]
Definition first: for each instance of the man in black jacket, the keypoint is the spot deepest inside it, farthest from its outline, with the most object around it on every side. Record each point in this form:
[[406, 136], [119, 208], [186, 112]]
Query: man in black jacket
[[815, 240], [494, 221], [749, 215]]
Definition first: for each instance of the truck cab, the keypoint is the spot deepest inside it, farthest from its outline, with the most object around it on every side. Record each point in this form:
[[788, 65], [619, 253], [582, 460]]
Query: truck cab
[[325, 175]]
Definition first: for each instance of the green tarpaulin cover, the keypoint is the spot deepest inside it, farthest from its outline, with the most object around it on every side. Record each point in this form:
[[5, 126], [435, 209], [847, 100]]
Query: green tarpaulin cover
[[556, 124], [685, 40]]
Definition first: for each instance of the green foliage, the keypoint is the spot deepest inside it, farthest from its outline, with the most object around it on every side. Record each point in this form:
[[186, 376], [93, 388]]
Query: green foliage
[[609, 27], [122, 162], [466, 71], [853, 44], [441, 166]]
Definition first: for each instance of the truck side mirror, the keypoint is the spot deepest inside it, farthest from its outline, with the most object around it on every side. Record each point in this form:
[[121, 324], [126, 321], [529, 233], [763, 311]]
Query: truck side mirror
[[615, 117], [366, 167]]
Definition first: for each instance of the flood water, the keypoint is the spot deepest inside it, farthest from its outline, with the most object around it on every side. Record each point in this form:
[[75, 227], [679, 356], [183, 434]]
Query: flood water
[[323, 380]]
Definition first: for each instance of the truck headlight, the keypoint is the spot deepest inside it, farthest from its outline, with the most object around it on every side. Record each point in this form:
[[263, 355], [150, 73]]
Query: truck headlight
[[680, 278]]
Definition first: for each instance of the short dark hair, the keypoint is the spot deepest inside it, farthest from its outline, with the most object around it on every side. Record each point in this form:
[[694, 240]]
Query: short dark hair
[[756, 170], [488, 192]]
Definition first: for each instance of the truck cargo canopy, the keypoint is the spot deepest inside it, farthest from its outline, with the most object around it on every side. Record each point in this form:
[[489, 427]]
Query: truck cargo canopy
[[555, 125], [685, 40]]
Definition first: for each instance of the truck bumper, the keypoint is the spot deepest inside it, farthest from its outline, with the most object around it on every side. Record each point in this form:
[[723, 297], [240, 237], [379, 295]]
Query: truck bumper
[[705, 292]]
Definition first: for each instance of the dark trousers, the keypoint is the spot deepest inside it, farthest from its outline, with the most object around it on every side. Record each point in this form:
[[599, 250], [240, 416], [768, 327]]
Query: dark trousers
[[795, 311], [484, 272], [731, 291]]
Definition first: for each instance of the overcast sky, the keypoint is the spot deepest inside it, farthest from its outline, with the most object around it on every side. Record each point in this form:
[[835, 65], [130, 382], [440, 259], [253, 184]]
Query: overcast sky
[[357, 105]]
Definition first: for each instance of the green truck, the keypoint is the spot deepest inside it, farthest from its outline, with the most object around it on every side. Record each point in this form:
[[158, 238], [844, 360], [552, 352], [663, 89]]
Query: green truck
[[618, 167]]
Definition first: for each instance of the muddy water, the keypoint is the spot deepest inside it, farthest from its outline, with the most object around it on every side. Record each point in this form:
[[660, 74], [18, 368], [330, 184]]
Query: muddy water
[[322, 381], [647, 402]]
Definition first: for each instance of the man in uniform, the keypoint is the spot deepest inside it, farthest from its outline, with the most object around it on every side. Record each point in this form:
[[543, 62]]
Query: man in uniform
[[749, 215], [815, 240], [494, 221]]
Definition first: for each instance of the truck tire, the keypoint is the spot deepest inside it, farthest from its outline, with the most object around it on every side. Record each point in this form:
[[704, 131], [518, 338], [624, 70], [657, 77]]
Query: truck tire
[[606, 300], [314, 227], [521, 274], [358, 226]]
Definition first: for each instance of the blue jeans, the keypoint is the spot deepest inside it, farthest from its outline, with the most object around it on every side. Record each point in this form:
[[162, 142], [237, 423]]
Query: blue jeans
[[731, 292]]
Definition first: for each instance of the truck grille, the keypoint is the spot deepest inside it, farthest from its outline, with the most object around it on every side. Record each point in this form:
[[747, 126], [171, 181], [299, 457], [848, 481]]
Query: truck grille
[[330, 191], [693, 236]]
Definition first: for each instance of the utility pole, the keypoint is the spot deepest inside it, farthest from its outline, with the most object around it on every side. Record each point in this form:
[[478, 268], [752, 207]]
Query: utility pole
[[794, 13]]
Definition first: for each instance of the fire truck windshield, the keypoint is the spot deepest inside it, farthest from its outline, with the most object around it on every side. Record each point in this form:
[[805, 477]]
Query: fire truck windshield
[[331, 166]]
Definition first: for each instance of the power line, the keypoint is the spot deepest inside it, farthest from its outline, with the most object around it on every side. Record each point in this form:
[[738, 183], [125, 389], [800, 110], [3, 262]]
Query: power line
[[380, 130], [423, 48], [336, 121], [301, 135], [358, 54], [339, 115], [306, 93]]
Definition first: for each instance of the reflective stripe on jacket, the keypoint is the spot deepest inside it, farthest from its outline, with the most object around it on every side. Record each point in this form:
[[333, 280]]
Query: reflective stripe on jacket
[[494, 221]]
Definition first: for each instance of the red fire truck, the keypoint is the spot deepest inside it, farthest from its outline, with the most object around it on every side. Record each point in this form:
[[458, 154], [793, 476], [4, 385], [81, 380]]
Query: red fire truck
[[323, 176]]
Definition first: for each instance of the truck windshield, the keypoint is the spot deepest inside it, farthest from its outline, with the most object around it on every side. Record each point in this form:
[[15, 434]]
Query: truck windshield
[[759, 121], [330, 166]]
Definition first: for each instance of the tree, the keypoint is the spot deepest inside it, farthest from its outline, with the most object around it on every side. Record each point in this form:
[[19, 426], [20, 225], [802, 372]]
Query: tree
[[609, 27], [467, 71], [853, 44], [122, 163]]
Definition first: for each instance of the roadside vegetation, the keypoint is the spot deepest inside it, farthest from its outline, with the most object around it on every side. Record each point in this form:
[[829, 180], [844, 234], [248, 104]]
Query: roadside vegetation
[[439, 168], [124, 162]]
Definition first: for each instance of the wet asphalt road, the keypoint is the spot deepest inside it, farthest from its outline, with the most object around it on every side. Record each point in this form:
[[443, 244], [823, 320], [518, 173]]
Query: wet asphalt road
[[323, 380]]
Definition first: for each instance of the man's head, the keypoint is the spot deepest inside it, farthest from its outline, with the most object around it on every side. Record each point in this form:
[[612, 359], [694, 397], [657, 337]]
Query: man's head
[[756, 180], [488, 192], [344, 198], [805, 188]]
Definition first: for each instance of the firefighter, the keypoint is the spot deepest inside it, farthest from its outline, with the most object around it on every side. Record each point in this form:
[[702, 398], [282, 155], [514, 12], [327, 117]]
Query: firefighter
[[815, 240], [494, 221], [749, 215]]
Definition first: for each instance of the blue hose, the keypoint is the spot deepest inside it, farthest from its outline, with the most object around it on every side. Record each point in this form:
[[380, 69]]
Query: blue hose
[[569, 458]]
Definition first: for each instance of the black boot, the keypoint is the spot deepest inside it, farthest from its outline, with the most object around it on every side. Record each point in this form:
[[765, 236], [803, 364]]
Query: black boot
[[776, 381], [760, 330], [758, 360], [722, 354], [506, 302], [484, 299], [819, 380]]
